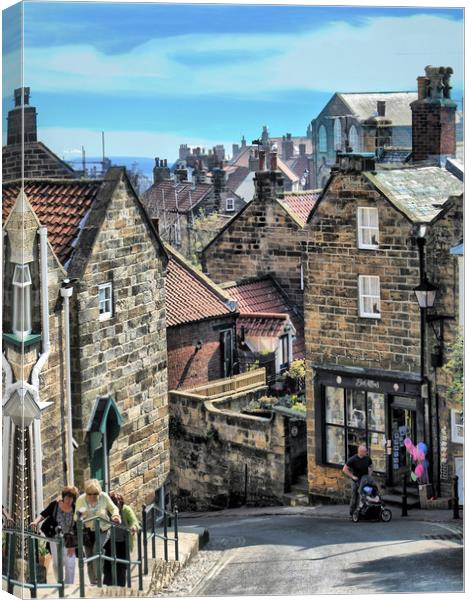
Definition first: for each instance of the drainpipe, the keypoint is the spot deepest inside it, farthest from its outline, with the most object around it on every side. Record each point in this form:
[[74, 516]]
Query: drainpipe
[[66, 292], [42, 231]]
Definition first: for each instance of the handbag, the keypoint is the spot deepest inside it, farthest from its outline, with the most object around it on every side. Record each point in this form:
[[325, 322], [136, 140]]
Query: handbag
[[70, 540], [88, 537]]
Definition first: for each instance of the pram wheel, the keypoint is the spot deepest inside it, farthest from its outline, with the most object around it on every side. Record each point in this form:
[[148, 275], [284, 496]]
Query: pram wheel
[[386, 515], [355, 516]]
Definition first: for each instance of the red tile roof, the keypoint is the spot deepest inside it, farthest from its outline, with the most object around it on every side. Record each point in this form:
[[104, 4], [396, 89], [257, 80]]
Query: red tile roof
[[190, 295], [60, 205], [261, 326], [300, 203], [262, 306], [169, 197]]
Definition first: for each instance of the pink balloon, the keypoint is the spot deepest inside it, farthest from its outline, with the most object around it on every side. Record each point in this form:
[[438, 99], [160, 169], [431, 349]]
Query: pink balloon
[[419, 471], [407, 442], [421, 455]]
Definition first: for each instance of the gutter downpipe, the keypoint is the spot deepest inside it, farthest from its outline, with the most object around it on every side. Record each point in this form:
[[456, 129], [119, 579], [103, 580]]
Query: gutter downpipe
[[42, 231], [66, 292]]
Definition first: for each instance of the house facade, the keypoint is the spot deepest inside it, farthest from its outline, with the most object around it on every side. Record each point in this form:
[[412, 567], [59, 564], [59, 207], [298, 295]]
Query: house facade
[[84, 343], [374, 358]]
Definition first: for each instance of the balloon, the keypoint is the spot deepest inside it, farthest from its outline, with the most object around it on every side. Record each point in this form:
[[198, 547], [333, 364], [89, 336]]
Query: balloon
[[421, 455], [422, 446], [413, 477], [419, 471], [414, 454], [407, 442]]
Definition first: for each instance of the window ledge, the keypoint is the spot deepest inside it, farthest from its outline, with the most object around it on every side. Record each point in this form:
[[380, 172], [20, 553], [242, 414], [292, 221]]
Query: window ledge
[[30, 339]]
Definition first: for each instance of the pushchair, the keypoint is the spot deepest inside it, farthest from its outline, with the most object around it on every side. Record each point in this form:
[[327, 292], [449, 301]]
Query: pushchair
[[370, 505]]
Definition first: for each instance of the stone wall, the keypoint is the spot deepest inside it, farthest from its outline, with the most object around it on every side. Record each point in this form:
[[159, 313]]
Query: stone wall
[[263, 239], [222, 458], [39, 161], [124, 356], [188, 367]]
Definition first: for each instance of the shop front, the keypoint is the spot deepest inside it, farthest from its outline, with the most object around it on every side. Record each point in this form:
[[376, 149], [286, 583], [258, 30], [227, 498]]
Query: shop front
[[380, 409]]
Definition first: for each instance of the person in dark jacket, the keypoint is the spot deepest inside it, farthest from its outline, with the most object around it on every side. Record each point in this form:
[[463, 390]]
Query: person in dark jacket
[[357, 466], [59, 513]]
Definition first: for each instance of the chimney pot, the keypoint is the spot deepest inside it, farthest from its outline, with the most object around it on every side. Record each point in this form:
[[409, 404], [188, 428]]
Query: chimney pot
[[381, 108]]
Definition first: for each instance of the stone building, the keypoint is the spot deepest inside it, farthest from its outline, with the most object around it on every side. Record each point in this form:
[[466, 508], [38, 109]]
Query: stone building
[[374, 359], [200, 326], [182, 206], [265, 238], [39, 160], [84, 342]]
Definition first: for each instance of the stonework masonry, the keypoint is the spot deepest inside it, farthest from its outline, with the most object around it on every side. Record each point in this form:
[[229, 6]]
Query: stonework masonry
[[124, 356]]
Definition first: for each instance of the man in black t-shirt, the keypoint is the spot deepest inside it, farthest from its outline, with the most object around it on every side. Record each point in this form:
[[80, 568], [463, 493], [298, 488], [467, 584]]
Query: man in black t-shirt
[[357, 466]]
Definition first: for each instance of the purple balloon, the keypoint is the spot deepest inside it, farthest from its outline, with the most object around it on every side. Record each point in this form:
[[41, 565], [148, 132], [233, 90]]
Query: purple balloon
[[407, 442]]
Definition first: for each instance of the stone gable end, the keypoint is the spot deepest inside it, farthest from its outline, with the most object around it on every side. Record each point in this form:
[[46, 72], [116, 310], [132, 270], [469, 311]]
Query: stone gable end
[[125, 356]]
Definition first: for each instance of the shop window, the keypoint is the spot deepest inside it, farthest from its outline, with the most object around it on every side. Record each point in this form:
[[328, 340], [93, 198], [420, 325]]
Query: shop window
[[322, 142], [367, 228], [457, 431], [369, 296], [354, 417], [105, 298]]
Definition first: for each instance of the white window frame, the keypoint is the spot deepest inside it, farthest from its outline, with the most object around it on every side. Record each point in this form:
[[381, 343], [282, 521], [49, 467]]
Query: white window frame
[[22, 313], [230, 204], [366, 294], [364, 214], [457, 429], [106, 301]]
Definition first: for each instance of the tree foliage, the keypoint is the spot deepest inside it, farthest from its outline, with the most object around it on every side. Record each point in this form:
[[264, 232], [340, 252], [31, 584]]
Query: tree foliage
[[454, 369]]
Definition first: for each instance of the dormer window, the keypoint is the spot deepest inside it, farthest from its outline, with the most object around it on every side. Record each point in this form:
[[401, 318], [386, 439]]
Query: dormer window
[[105, 298], [367, 228], [369, 296], [230, 204], [21, 301]]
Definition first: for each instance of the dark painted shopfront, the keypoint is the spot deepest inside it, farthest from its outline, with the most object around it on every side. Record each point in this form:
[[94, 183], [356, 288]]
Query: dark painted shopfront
[[377, 408]]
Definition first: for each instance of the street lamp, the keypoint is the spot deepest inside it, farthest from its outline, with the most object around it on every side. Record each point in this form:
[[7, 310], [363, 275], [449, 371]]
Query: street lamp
[[425, 293]]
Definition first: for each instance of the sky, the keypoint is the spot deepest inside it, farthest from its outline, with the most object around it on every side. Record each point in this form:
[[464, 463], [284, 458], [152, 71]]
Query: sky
[[153, 76]]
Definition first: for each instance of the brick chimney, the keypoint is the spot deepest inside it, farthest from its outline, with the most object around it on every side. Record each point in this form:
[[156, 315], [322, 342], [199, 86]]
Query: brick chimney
[[269, 182], [433, 117], [253, 160], [287, 147], [160, 171], [381, 108], [181, 174], [302, 149], [377, 130], [15, 118]]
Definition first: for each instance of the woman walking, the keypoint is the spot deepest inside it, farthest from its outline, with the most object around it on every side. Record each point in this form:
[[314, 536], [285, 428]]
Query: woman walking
[[95, 503], [130, 521], [59, 513]]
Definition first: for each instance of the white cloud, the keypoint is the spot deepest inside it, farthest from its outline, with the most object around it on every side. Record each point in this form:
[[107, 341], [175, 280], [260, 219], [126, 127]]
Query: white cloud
[[65, 141], [385, 53]]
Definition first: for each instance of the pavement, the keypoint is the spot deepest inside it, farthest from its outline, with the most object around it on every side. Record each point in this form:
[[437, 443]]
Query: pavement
[[160, 572], [335, 511]]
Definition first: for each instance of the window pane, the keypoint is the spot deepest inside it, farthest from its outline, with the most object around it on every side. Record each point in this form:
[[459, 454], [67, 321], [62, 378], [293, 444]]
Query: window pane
[[377, 451], [373, 218], [355, 439], [335, 445], [376, 411], [355, 403], [334, 405]]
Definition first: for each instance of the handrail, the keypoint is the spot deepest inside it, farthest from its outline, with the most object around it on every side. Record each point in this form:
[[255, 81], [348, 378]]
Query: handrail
[[101, 558], [158, 516], [31, 538]]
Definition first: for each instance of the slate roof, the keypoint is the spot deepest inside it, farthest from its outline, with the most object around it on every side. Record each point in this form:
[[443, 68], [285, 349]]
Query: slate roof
[[242, 160], [299, 165], [418, 192], [299, 204], [182, 196], [264, 311], [190, 295], [394, 155], [397, 105], [60, 205], [235, 176]]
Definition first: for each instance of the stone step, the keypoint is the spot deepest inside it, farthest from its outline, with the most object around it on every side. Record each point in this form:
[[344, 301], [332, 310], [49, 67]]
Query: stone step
[[396, 500], [300, 488], [296, 499]]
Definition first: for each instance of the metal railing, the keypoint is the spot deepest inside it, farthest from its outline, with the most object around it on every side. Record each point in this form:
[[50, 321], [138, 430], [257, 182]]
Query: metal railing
[[153, 517], [100, 557], [23, 544]]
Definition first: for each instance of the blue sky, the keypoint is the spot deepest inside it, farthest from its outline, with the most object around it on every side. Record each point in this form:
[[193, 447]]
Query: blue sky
[[152, 76]]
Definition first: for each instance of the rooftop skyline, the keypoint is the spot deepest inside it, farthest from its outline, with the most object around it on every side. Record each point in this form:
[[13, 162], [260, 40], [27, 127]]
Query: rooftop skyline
[[153, 76]]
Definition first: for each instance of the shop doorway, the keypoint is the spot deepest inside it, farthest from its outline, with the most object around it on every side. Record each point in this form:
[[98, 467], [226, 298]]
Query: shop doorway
[[402, 422]]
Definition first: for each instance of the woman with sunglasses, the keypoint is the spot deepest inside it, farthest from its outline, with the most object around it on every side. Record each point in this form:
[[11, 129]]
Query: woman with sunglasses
[[95, 503]]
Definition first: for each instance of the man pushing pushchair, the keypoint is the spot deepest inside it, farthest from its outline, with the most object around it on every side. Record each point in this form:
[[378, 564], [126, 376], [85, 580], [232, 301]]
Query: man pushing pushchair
[[365, 496]]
